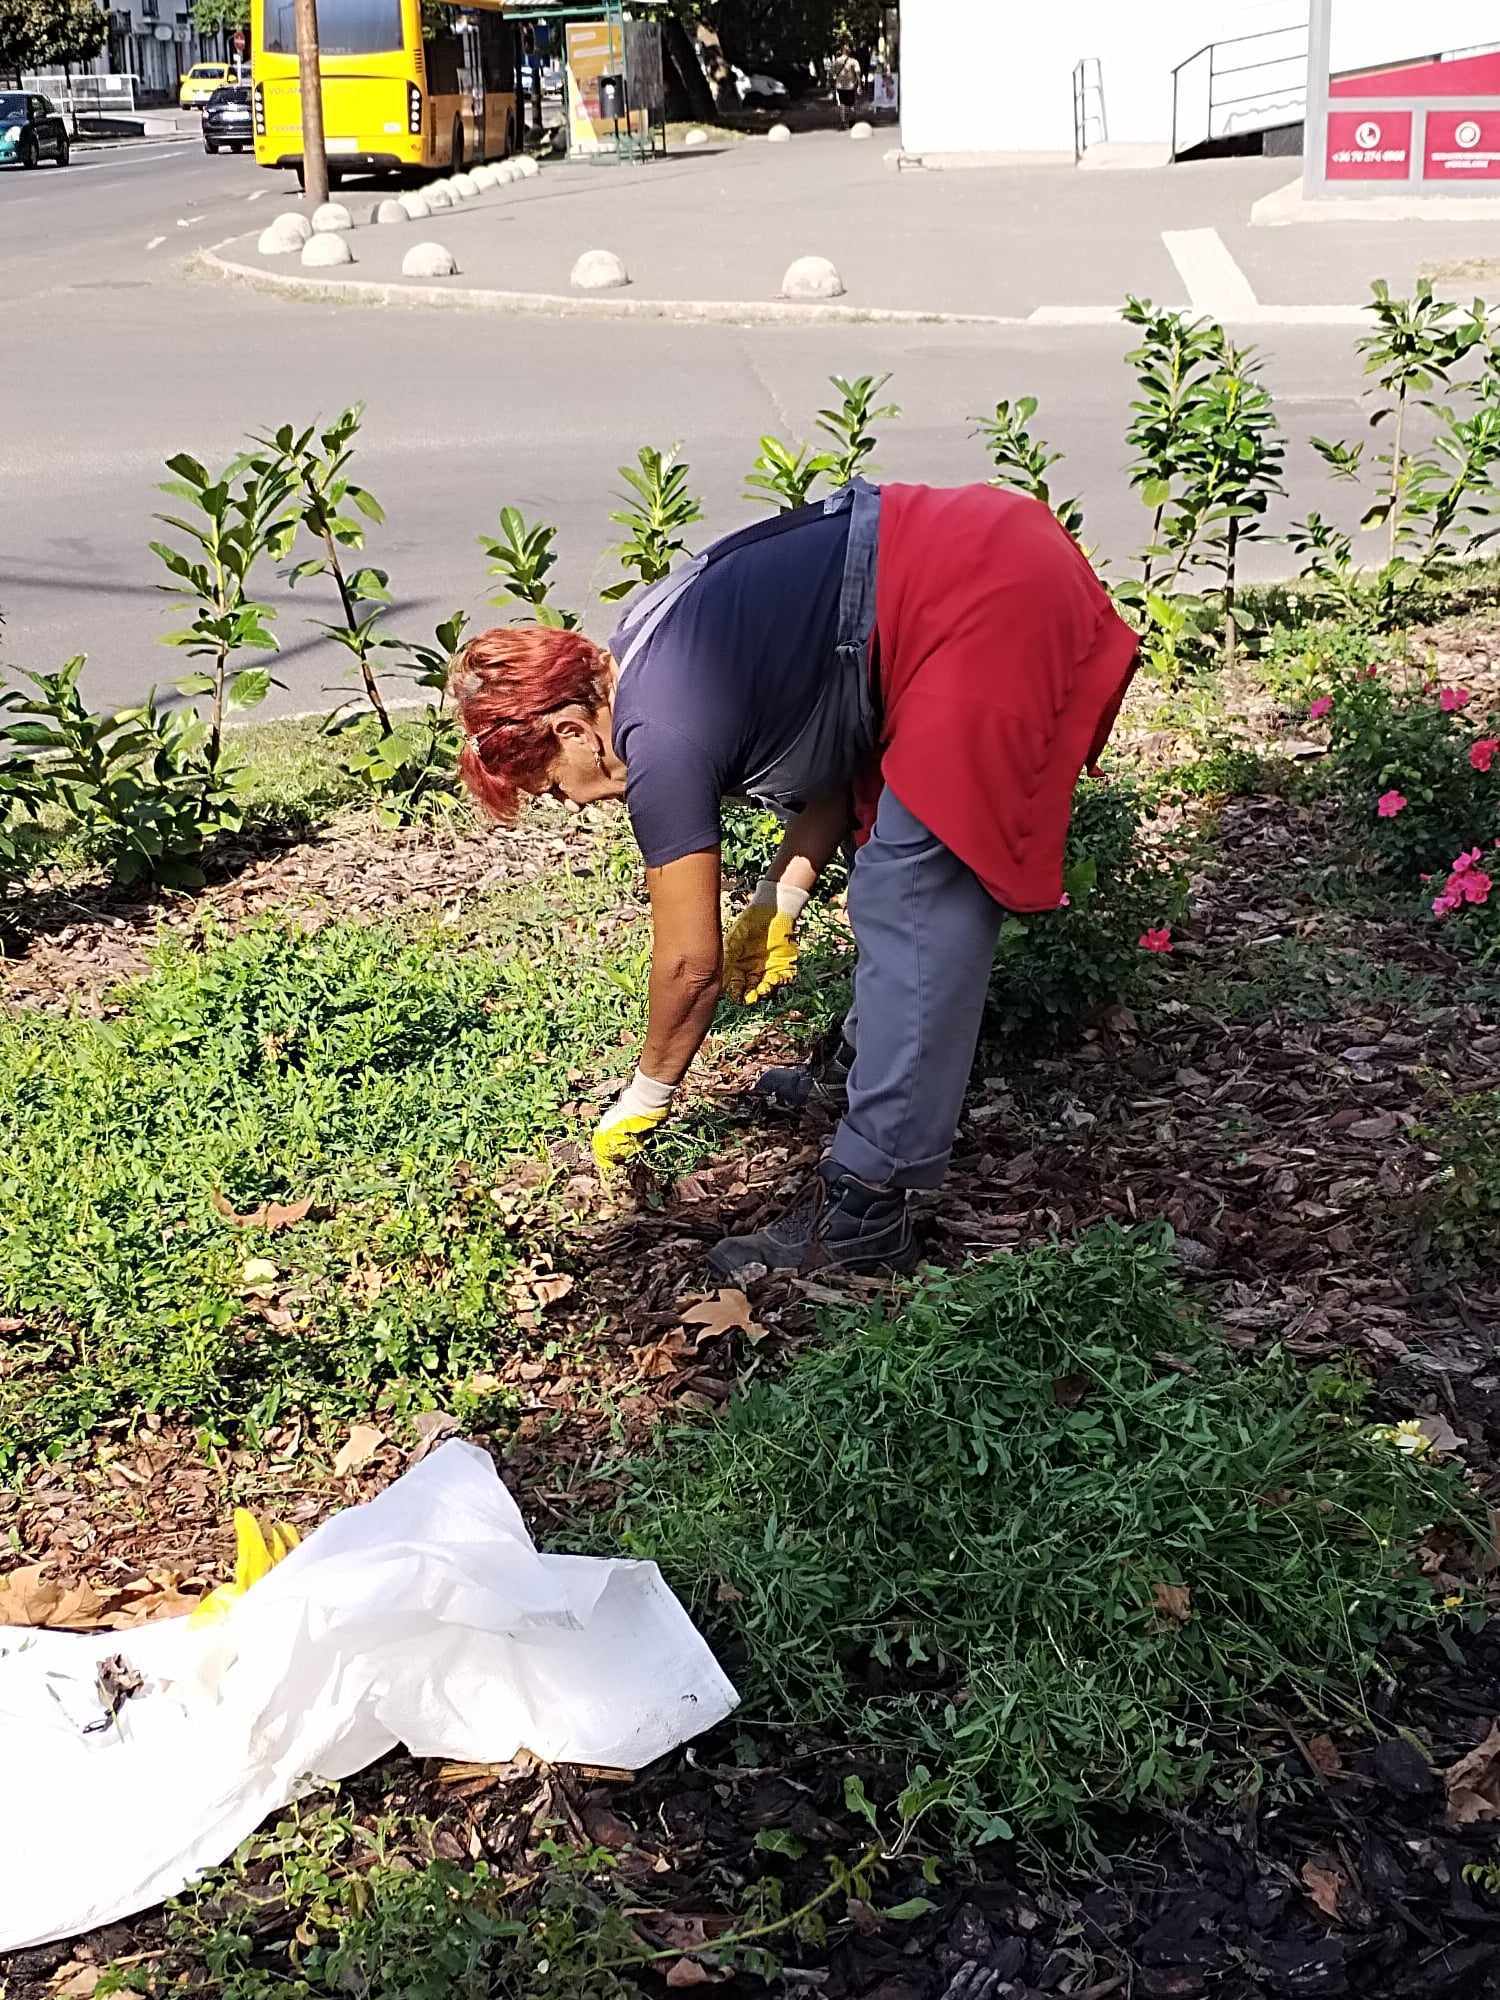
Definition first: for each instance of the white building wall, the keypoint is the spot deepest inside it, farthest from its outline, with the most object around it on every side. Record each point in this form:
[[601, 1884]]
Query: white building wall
[[997, 75]]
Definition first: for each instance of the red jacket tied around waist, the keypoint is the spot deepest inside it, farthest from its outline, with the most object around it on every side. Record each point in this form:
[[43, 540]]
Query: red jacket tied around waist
[[1002, 668]]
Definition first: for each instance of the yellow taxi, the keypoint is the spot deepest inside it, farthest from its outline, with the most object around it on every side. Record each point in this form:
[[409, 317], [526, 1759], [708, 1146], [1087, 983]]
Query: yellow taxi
[[202, 80]]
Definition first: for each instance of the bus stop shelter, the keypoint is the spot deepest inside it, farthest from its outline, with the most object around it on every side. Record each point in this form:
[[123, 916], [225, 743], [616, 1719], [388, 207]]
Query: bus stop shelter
[[613, 76]]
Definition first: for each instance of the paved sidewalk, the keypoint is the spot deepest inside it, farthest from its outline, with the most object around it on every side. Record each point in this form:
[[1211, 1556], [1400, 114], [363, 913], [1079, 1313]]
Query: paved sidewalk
[[1014, 242]]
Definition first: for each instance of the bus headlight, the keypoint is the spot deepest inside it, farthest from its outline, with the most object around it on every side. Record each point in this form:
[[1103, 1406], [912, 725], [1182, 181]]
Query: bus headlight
[[413, 108], [258, 98]]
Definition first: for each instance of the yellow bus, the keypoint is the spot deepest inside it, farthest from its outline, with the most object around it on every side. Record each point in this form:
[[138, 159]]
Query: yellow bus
[[407, 85]]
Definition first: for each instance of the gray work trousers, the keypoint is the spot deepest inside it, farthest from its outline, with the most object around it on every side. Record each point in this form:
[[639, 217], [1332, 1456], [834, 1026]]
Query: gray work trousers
[[926, 931]]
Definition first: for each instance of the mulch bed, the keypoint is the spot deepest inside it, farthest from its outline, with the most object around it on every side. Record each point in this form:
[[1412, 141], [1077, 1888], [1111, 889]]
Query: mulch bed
[[1286, 1149]]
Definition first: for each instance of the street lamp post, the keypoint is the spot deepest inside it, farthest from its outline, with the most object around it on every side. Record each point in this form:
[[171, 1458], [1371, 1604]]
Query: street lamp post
[[310, 77]]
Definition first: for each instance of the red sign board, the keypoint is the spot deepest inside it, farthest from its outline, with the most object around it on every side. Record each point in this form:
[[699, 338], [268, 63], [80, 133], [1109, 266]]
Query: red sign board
[[1369, 145], [1465, 76], [1463, 145]]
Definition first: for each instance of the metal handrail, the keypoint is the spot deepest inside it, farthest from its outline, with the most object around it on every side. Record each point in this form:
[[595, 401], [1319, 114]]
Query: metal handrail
[[1234, 42], [1216, 103], [1081, 112]]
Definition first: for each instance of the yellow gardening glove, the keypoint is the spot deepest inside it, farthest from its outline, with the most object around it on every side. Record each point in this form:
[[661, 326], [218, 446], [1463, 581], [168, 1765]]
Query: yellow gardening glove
[[760, 952], [629, 1121], [255, 1556]]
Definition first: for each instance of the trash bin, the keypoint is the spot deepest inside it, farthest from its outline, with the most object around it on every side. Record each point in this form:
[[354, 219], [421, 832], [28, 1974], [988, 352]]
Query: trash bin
[[612, 97]]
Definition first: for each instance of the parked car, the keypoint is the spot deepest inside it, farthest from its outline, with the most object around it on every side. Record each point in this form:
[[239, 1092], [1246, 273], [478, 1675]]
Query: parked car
[[765, 91], [202, 80], [31, 130], [226, 119]]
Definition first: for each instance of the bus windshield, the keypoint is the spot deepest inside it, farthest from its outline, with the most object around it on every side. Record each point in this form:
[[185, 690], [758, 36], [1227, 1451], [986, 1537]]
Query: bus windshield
[[345, 27]]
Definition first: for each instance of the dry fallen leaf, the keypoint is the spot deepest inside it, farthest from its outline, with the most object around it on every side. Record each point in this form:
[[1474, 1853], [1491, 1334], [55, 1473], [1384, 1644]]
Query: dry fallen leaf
[[727, 1312], [685, 1972], [75, 1982], [665, 1357], [358, 1448], [1440, 1434], [1323, 1755], [1474, 1783], [1382, 1126], [1324, 1884], [27, 1598], [269, 1215], [1173, 1600]]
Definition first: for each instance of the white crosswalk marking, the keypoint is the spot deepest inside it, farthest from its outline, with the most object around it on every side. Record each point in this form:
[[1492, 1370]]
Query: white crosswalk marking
[[1215, 283]]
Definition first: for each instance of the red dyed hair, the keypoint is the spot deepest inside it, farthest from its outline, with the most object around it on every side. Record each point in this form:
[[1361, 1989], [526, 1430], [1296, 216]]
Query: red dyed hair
[[505, 684]]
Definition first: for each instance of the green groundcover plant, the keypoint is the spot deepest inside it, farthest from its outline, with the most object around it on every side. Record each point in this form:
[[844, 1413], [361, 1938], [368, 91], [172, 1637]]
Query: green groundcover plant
[[1038, 1531], [1119, 900], [1464, 1206], [386, 1075]]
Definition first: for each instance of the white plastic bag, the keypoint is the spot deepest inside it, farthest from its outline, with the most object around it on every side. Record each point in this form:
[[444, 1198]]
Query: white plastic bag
[[425, 1617]]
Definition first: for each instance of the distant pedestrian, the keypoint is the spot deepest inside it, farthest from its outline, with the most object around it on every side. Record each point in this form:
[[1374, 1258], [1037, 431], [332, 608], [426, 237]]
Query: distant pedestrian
[[847, 79]]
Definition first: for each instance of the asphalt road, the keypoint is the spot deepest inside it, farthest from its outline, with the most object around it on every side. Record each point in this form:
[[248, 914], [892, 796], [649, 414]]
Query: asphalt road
[[115, 358]]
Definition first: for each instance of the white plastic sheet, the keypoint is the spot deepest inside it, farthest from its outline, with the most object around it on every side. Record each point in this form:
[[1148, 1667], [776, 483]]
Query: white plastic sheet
[[425, 1617]]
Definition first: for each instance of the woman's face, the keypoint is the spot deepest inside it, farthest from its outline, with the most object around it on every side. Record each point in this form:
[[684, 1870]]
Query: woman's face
[[586, 769]]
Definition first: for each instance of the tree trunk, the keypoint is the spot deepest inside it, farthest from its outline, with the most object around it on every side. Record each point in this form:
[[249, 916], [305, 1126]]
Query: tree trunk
[[310, 74], [688, 94]]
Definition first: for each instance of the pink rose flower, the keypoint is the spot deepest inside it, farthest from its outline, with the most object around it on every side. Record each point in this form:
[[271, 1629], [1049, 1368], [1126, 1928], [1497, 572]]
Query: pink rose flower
[[1464, 862], [1156, 940], [1482, 755], [1320, 708], [1477, 886], [1391, 803], [1451, 699]]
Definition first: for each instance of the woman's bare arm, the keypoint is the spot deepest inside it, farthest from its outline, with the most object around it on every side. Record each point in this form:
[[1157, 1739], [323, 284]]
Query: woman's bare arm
[[812, 839], [687, 962]]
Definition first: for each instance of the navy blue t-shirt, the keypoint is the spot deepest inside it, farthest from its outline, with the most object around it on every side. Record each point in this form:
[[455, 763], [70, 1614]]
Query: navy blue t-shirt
[[729, 679]]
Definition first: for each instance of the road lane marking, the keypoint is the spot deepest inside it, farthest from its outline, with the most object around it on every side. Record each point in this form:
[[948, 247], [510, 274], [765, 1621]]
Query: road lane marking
[[156, 242], [1215, 283], [77, 166], [187, 221], [259, 194]]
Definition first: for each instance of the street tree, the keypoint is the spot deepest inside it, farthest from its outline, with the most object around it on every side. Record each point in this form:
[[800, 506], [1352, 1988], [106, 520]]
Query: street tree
[[41, 34], [215, 17], [787, 33]]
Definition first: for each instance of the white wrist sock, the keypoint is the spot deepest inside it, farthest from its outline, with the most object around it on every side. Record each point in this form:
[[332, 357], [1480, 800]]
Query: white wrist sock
[[644, 1094], [780, 897]]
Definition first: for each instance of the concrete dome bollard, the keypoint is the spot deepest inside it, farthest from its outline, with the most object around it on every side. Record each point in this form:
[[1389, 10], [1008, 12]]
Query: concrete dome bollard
[[862, 129], [414, 206], [779, 134], [464, 187], [330, 216], [812, 278], [599, 271], [485, 176], [695, 136], [327, 249], [281, 237], [389, 211], [293, 223], [429, 260], [437, 196], [526, 167]]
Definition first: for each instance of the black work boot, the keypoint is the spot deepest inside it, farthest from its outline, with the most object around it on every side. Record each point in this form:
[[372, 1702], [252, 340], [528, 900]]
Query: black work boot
[[822, 1083], [838, 1223]]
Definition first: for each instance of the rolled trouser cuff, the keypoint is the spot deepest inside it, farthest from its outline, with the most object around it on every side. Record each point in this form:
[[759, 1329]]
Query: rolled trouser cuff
[[867, 1163]]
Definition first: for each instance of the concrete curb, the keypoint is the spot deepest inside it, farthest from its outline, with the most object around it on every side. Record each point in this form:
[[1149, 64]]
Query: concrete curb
[[553, 305]]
